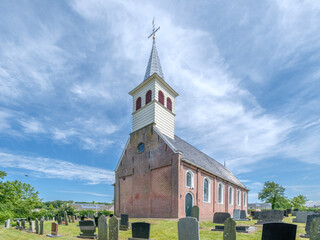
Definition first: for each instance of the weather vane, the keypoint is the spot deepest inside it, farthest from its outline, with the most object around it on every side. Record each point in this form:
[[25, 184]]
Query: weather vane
[[154, 30]]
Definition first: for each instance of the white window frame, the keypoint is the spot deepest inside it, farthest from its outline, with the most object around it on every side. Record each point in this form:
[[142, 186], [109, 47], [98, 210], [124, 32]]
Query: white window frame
[[244, 199], [220, 183], [192, 179], [239, 197], [232, 194], [209, 190]]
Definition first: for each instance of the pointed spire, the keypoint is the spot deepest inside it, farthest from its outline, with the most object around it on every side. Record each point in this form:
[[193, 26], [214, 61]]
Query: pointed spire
[[154, 63]]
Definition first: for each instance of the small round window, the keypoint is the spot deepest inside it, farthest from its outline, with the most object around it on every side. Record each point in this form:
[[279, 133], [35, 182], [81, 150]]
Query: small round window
[[141, 147]]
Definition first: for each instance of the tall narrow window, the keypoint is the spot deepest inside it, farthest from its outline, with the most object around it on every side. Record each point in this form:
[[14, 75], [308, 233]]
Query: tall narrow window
[[239, 197], [206, 190], [244, 199], [220, 193], [189, 179], [230, 196], [161, 97], [169, 104], [138, 103], [148, 96]]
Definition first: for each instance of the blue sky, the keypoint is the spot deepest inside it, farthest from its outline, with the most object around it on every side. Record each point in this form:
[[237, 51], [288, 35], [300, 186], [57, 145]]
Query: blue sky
[[247, 73]]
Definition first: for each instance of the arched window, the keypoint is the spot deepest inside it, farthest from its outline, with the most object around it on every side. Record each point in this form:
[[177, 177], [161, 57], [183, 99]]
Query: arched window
[[161, 97], [220, 193], [206, 190], [239, 197], [244, 199], [230, 195], [189, 179], [148, 96], [169, 104], [138, 103]]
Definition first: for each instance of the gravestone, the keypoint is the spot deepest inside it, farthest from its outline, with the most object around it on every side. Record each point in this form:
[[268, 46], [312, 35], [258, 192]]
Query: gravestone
[[315, 229], [96, 221], [252, 213], [29, 220], [236, 214], [188, 229], [59, 219], [82, 218], [195, 212], [54, 230], [6, 224], [69, 219], [37, 226], [243, 215], [73, 218], [301, 217], [66, 218], [229, 232], [53, 218], [47, 219], [279, 231], [87, 228], [102, 228], [32, 226], [113, 228], [41, 227], [220, 217], [18, 224], [140, 230], [23, 224], [124, 222], [310, 218], [9, 223], [294, 213], [256, 215], [269, 216]]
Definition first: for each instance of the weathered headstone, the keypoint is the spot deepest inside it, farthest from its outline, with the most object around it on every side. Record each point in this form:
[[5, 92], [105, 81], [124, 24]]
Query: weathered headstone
[[236, 214], [23, 224], [140, 230], [47, 219], [53, 219], [310, 218], [113, 228], [243, 215], [18, 225], [279, 231], [269, 216], [256, 215], [102, 228], [87, 228], [73, 218], [220, 217], [188, 229], [6, 224], [124, 222], [41, 227], [315, 229], [54, 230], [229, 232], [32, 226], [66, 218], [37, 226], [195, 212], [9, 223], [301, 217]]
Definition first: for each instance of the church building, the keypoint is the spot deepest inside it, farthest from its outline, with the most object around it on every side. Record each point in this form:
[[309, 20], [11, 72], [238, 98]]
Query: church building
[[159, 175]]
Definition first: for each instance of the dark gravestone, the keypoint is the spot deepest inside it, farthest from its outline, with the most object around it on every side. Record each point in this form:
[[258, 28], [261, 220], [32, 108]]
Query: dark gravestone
[[87, 228], [269, 216], [18, 224], [220, 217], [188, 229], [124, 222], [256, 215], [279, 231], [195, 212], [294, 213], [243, 214], [252, 213], [140, 230], [23, 224], [59, 220], [96, 221], [308, 224], [37, 226], [315, 229], [41, 227]]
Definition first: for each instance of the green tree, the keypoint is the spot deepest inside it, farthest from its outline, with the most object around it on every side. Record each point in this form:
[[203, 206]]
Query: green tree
[[299, 201], [272, 193]]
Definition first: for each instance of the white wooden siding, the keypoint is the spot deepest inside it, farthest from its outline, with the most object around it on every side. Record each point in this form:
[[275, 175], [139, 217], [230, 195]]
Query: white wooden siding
[[142, 93], [143, 117], [164, 120], [159, 86]]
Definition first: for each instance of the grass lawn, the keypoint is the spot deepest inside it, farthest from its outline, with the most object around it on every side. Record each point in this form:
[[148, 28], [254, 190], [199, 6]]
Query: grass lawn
[[160, 229]]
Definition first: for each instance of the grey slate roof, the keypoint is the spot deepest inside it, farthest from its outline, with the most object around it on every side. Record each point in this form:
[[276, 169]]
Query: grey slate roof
[[154, 63], [200, 159]]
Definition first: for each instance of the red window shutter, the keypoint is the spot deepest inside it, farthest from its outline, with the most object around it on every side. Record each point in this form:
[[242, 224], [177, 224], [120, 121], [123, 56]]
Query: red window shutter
[[161, 97], [148, 96], [169, 104], [138, 103]]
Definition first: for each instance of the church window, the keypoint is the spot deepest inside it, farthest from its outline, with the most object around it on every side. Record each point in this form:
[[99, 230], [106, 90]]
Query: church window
[[189, 179], [239, 197], [138, 103], [206, 190], [161, 97], [140, 147], [244, 199], [220, 193], [148, 96], [230, 195], [169, 104]]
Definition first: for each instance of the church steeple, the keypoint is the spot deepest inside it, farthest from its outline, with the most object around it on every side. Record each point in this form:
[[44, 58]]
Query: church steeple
[[154, 62]]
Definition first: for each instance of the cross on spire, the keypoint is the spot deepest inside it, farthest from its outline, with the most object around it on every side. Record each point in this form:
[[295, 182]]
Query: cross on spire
[[154, 30]]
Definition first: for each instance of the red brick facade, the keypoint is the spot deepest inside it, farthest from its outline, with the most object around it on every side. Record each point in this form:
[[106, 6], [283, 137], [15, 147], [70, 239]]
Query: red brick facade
[[153, 183]]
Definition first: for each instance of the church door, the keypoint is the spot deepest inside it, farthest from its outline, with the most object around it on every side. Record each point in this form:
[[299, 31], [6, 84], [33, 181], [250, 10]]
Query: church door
[[188, 204]]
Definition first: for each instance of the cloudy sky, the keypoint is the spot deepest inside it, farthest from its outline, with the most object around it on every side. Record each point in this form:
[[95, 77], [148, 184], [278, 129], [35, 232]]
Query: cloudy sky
[[247, 73]]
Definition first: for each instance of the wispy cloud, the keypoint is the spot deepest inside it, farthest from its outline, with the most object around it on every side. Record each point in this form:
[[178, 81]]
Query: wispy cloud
[[54, 168], [87, 193]]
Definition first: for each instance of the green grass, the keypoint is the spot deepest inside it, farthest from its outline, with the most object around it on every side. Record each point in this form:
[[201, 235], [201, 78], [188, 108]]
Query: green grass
[[160, 230]]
